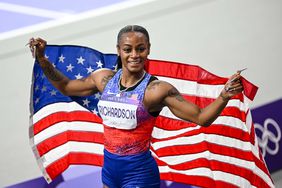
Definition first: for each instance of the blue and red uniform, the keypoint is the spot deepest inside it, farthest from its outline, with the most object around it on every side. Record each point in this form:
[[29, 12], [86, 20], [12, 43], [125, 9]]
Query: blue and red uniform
[[127, 131]]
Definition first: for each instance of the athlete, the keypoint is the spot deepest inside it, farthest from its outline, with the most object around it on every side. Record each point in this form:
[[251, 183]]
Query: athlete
[[130, 102]]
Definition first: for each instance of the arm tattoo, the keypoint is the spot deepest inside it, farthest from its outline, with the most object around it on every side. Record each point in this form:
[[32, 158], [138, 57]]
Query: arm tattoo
[[153, 85], [105, 80], [173, 92], [51, 72]]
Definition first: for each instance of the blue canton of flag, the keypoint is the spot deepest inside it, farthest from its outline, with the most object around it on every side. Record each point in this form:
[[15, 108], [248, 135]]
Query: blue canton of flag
[[75, 62]]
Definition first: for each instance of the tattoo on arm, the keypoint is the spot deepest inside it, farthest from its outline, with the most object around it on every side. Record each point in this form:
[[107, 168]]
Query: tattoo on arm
[[51, 72], [105, 80], [153, 85], [173, 92]]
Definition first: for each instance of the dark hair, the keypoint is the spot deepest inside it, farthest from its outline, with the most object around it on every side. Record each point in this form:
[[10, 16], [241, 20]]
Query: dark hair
[[127, 29], [133, 28]]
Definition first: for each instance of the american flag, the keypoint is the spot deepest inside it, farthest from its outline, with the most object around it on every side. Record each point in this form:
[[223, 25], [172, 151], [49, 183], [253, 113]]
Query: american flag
[[68, 131]]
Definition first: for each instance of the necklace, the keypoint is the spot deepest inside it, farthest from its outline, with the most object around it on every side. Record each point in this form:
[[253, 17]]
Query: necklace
[[126, 88]]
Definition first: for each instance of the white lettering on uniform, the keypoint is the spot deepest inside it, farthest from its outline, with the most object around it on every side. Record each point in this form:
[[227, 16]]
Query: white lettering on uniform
[[118, 115]]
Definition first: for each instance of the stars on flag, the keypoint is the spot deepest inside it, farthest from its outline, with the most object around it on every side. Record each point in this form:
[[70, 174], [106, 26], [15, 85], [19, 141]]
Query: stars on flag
[[37, 75], [62, 58], [95, 111], [80, 60], [89, 69], [78, 76], [70, 67], [99, 64], [53, 92], [73, 64], [44, 88], [36, 100], [36, 88], [97, 95], [86, 102]]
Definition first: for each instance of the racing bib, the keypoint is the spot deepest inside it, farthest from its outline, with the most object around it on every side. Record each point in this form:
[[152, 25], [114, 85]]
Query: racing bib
[[118, 115]]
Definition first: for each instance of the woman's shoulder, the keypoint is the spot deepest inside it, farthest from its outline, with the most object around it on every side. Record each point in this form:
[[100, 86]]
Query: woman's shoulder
[[155, 83], [103, 72], [102, 77], [157, 88]]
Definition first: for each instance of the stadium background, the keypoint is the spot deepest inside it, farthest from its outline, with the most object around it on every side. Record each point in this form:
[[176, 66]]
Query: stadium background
[[220, 36]]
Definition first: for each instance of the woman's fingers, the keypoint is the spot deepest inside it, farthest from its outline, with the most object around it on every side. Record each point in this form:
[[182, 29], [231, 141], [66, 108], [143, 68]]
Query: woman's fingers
[[234, 85], [238, 88], [234, 78], [36, 46], [41, 40], [32, 43]]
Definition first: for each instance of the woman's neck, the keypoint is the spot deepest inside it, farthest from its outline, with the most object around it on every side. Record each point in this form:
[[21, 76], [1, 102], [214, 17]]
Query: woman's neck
[[130, 79]]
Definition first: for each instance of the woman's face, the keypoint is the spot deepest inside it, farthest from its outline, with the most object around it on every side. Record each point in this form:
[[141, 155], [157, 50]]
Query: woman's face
[[133, 49]]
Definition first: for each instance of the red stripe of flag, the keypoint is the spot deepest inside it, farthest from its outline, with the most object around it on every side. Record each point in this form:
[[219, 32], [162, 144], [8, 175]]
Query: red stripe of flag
[[73, 158], [62, 138], [213, 148], [204, 101], [214, 165], [183, 72], [219, 130], [194, 73], [58, 117], [253, 178], [175, 124], [201, 181]]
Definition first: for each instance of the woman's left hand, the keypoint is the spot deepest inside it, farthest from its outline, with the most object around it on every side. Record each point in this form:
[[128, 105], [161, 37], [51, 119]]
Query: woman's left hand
[[232, 87]]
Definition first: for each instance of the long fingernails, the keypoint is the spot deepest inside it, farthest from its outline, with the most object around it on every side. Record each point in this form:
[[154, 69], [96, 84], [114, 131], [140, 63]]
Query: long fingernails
[[233, 79], [239, 71]]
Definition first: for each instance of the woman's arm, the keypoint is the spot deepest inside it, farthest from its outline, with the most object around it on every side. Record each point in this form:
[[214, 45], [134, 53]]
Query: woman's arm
[[169, 96], [81, 87]]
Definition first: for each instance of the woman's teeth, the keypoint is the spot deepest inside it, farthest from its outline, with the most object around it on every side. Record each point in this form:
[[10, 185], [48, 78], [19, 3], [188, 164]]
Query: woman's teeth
[[134, 62]]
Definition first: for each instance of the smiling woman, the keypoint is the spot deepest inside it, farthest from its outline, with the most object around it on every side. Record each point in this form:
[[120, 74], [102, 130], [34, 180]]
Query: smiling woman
[[143, 46], [133, 49], [130, 102]]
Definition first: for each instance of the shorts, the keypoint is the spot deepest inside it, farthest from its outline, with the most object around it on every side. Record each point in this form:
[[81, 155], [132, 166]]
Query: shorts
[[130, 171]]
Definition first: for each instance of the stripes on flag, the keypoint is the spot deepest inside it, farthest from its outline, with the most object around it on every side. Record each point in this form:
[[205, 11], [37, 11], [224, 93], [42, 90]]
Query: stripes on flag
[[64, 133]]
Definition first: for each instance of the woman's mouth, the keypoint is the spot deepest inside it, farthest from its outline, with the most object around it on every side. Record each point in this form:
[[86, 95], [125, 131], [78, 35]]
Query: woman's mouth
[[134, 62]]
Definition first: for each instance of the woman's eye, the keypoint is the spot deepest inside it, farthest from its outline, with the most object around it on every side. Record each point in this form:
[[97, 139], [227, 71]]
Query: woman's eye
[[127, 50], [141, 49]]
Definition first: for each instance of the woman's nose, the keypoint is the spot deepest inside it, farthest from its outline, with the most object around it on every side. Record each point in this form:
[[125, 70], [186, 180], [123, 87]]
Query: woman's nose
[[134, 53]]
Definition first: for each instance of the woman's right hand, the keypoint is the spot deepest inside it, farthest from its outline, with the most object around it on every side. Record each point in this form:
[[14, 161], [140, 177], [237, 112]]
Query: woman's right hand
[[37, 48]]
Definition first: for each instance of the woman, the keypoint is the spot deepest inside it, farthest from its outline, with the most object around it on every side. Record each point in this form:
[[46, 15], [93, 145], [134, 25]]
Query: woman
[[130, 102]]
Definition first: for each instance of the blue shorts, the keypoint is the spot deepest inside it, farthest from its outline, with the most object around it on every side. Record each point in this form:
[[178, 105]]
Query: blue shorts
[[138, 171]]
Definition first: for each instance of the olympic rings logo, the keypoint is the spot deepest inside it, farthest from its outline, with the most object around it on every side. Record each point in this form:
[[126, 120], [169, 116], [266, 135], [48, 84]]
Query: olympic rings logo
[[268, 136]]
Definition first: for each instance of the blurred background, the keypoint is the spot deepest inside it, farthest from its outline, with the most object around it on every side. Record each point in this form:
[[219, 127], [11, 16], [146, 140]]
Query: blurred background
[[222, 36]]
